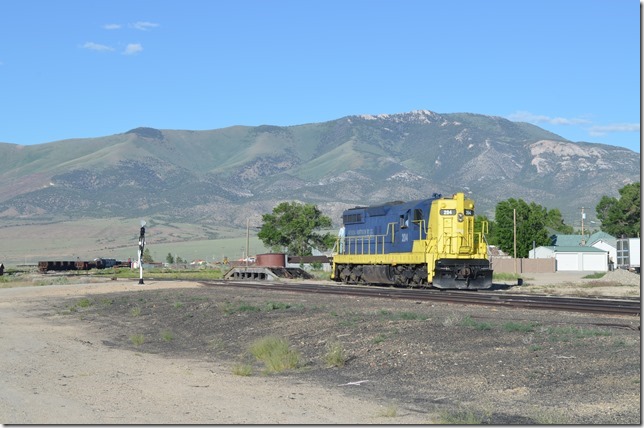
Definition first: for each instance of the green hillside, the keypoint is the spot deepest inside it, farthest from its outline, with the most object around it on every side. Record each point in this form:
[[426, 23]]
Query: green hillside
[[219, 178]]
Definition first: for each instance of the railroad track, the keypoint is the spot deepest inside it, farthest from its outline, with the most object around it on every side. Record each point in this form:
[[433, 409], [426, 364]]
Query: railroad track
[[543, 302]]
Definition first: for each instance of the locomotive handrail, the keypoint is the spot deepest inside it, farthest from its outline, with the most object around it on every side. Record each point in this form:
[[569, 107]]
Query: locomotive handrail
[[481, 237], [448, 245], [421, 228], [351, 244], [356, 244], [445, 243]]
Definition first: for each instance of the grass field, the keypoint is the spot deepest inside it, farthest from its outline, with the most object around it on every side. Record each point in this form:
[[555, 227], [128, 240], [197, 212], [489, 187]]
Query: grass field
[[118, 238]]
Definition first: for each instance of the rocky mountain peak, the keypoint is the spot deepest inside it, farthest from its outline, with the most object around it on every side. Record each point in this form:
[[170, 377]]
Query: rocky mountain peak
[[212, 176], [415, 116], [549, 156]]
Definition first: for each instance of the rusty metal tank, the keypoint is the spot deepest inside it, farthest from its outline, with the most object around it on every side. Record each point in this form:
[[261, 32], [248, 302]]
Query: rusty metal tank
[[271, 260]]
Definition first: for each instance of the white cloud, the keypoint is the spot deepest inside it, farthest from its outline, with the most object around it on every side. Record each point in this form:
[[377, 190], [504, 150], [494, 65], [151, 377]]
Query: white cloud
[[112, 26], [97, 47], [144, 25], [132, 48], [524, 116], [593, 130], [600, 130]]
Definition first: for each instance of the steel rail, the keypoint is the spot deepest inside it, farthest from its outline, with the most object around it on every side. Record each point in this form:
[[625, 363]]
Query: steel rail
[[542, 302]]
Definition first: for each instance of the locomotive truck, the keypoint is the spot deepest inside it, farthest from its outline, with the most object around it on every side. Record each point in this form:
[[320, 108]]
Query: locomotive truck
[[429, 242]]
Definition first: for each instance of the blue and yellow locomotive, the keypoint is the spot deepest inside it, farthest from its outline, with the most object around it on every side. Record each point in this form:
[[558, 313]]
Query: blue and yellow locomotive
[[415, 244]]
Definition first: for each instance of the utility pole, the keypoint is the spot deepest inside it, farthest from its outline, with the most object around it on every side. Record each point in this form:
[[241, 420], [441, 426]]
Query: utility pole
[[515, 239], [583, 216], [247, 240]]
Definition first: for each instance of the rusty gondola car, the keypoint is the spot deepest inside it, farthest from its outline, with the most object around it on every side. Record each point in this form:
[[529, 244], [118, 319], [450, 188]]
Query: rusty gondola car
[[68, 265]]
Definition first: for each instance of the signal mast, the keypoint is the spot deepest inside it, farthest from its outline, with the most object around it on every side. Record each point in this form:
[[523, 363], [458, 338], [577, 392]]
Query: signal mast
[[141, 248]]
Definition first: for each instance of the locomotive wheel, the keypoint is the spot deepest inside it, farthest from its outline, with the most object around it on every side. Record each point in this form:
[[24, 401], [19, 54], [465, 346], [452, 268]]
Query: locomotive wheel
[[399, 275], [408, 274], [345, 274], [356, 273], [420, 276], [405, 275]]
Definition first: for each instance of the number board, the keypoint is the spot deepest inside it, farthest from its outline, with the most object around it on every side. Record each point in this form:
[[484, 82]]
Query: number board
[[447, 212]]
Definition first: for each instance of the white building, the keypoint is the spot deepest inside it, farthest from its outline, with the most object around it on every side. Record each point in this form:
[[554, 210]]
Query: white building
[[574, 258]]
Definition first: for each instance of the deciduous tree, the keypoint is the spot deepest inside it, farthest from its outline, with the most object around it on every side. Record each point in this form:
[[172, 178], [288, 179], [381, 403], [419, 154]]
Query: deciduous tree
[[621, 216], [530, 226], [292, 226], [554, 220]]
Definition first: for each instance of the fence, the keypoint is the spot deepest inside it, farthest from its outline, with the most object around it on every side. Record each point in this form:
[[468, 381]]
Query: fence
[[507, 265]]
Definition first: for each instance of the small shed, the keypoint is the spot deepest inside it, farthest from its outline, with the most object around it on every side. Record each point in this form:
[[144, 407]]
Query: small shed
[[574, 258]]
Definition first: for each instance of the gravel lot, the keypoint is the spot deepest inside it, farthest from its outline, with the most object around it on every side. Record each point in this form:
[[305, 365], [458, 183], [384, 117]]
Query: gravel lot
[[118, 352]]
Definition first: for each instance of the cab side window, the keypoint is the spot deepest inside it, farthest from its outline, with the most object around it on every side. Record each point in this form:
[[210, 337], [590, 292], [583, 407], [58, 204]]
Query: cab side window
[[404, 220]]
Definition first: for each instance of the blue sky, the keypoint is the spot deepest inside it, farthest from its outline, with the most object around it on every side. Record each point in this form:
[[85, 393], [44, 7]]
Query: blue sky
[[79, 68]]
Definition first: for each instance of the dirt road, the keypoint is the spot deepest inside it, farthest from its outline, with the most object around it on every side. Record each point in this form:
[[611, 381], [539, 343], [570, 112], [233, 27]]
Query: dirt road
[[55, 373]]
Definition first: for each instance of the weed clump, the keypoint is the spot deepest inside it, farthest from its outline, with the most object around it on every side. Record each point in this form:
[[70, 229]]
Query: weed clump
[[167, 335], [390, 412], [137, 339], [231, 309], [242, 369], [275, 353], [519, 327], [335, 356], [469, 322]]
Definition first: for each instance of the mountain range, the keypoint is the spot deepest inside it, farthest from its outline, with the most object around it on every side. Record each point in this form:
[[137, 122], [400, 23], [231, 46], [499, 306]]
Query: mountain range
[[224, 177]]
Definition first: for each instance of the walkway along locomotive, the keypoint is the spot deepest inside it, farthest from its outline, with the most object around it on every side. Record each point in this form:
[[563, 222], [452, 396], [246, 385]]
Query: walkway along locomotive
[[414, 244]]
